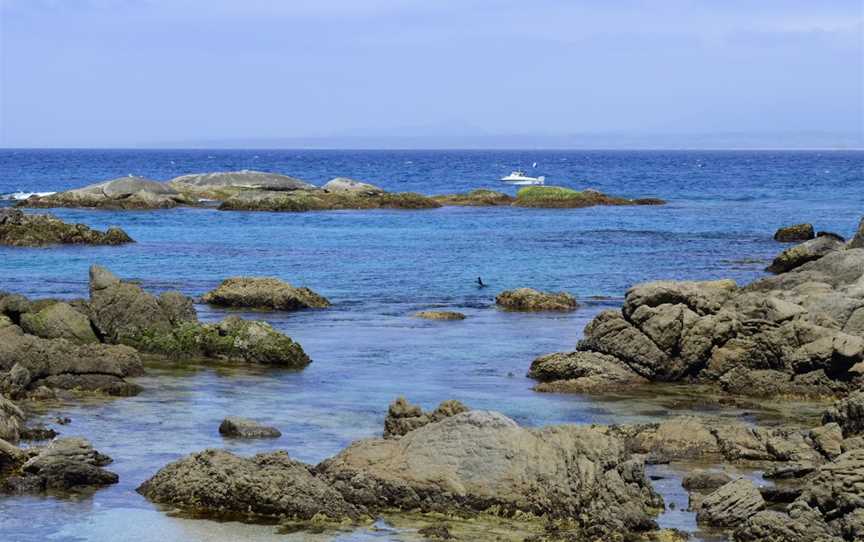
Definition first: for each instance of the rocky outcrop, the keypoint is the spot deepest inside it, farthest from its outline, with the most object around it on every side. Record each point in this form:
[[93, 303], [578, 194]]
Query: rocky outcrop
[[403, 417], [344, 184], [559, 197], [807, 251], [529, 299], [320, 200], [796, 233], [224, 184], [731, 504], [27, 230], [121, 193], [264, 293], [857, 240], [476, 198], [440, 315], [270, 484], [702, 480], [830, 507], [800, 333], [124, 313], [462, 465], [66, 463], [237, 427]]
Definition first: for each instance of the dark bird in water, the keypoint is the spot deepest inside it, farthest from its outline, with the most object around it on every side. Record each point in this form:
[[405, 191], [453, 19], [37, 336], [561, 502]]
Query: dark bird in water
[[480, 283]]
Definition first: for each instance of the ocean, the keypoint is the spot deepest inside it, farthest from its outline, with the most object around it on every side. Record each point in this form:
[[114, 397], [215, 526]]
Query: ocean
[[378, 267]]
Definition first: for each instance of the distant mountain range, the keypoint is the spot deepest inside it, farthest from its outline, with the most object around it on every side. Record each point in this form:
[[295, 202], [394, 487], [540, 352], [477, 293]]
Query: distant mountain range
[[611, 140]]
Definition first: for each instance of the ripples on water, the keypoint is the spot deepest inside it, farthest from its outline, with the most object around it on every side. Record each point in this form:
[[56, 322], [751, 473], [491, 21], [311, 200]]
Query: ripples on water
[[378, 267]]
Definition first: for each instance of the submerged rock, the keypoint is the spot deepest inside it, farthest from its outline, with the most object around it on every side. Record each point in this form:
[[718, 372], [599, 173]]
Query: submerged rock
[[121, 193], [798, 232], [559, 197], [224, 184], [440, 315], [26, 230], [403, 417], [237, 427], [269, 484], [264, 293], [528, 299]]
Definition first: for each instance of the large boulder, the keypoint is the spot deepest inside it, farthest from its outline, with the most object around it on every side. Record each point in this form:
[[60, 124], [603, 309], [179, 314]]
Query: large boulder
[[796, 233], [64, 464], [403, 417], [529, 299], [807, 251], [27, 230], [480, 461], [121, 193], [269, 484], [224, 184], [263, 293], [344, 184], [32, 362], [59, 321], [583, 372]]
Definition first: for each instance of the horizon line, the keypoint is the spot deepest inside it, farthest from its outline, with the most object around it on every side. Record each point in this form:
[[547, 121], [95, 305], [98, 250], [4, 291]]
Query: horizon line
[[392, 149]]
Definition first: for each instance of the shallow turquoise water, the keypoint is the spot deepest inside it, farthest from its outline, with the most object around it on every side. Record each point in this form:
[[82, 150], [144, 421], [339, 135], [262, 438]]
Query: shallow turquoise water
[[378, 267]]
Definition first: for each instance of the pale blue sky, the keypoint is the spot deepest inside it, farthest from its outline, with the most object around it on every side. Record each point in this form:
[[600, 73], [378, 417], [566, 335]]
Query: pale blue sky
[[151, 72]]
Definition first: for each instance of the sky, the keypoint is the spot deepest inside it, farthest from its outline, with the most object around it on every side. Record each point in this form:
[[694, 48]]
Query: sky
[[138, 73]]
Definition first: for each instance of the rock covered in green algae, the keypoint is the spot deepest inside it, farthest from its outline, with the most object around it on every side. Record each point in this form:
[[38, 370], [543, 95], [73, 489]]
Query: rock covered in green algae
[[476, 198], [263, 293], [121, 193], [268, 484], [224, 184], [27, 230], [59, 321], [319, 200], [529, 299], [124, 313], [560, 197], [796, 233]]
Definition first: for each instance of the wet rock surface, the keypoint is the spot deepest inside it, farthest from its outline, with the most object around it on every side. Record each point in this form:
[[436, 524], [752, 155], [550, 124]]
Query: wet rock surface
[[121, 193], [530, 300], [440, 315], [237, 427], [264, 293], [36, 230]]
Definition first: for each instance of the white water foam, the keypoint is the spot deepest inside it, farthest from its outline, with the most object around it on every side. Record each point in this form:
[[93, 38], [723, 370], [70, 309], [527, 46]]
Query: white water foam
[[17, 196]]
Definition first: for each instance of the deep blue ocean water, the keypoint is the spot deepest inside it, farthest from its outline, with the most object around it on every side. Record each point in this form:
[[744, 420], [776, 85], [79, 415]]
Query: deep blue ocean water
[[379, 267]]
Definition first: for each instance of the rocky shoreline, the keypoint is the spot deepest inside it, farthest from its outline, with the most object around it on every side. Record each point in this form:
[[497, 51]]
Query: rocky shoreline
[[260, 191], [798, 334], [27, 230]]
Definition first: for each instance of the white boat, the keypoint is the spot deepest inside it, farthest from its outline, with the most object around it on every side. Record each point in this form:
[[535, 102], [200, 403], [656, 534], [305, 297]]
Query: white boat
[[521, 178]]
